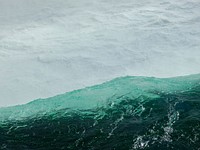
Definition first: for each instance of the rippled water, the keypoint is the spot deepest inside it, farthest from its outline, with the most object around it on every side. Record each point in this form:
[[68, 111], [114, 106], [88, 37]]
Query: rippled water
[[50, 47], [125, 113]]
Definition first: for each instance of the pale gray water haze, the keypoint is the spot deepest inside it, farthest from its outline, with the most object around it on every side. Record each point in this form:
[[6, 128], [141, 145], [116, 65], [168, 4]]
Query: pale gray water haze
[[49, 47]]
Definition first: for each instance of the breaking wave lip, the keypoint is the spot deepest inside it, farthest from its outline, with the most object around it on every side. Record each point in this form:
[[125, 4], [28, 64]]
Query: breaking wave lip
[[125, 113]]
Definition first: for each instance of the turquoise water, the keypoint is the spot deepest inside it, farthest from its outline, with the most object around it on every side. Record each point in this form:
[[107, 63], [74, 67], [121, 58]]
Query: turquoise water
[[125, 113]]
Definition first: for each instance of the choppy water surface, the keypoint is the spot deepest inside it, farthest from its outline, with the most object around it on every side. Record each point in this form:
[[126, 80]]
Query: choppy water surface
[[125, 113], [48, 47]]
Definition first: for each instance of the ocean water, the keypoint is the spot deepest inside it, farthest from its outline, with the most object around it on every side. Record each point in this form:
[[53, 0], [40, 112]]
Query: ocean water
[[124, 113], [48, 47]]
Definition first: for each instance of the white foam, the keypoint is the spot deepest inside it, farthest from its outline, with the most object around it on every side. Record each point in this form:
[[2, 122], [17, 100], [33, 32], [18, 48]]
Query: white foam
[[52, 46]]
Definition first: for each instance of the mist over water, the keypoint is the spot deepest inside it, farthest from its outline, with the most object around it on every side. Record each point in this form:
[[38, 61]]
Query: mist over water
[[50, 47]]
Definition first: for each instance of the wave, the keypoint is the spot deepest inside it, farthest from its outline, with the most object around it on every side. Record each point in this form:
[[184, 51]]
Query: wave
[[125, 113]]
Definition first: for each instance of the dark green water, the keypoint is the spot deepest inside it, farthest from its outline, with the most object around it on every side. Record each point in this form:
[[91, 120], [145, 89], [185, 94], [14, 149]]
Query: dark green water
[[126, 113]]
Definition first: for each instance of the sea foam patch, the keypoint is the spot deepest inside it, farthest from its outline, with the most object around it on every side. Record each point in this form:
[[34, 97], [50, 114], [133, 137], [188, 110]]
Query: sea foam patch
[[49, 47]]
